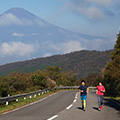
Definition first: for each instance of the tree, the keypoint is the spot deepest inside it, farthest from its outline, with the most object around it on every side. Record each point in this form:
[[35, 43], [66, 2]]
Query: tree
[[54, 73], [39, 81], [112, 72]]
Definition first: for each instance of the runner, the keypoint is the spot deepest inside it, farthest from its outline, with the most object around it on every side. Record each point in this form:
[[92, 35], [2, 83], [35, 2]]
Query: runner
[[100, 93], [84, 89]]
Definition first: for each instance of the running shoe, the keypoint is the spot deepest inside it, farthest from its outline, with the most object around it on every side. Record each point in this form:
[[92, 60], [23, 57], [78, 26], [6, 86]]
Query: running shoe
[[101, 107], [83, 109]]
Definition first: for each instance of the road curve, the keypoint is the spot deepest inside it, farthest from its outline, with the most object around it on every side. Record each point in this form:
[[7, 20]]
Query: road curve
[[110, 111], [44, 109], [65, 105]]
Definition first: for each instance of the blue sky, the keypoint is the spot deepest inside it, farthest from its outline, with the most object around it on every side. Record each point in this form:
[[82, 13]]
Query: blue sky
[[94, 17]]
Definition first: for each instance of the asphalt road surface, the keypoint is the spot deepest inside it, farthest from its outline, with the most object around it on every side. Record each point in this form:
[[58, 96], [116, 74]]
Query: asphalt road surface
[[65, 105]]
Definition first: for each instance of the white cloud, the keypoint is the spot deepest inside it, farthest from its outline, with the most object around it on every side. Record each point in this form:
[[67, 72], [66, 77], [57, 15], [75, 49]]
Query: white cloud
[[102, 2], [27, 22], [66, 47], [17, 34], [93, 12], [16, 48], [34, 34], [99, 44], [47, 55], [8, 19], [96, 44], [71, 46], [49, 34], [39, 23], [85, 7]]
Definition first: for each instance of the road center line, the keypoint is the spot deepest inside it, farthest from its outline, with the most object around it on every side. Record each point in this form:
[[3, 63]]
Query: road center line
[[69, 106], [74, 100], [53, 117], [76, 95]]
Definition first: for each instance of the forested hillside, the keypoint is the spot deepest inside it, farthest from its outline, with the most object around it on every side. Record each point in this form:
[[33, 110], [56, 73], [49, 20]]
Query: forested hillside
[[82, 63]]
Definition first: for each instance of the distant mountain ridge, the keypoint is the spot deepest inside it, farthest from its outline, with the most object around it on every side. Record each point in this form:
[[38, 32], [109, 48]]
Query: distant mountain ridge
[[19, 27], [82, 63]]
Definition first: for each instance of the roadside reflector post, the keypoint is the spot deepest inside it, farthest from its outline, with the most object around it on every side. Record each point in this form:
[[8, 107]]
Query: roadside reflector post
[[39, 94], [7, 103], [24, 98], [16, 100], [30, 97], [35, 95]]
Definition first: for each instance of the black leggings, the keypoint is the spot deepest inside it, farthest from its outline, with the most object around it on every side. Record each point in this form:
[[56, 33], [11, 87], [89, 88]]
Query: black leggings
[[100, 100]]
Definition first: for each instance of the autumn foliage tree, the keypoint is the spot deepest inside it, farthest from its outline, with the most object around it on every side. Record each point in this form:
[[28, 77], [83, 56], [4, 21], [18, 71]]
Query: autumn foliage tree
[[17, 83], [112, 72]]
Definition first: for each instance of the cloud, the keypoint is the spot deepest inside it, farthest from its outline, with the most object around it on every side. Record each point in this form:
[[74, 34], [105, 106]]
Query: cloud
[[27, 22], [65, 47], [16, 48], [71, 46], [102, 2], [49, 34], [99, 44], [76, 43], [109, 13], [96, 44], [47, 54], [8, 19], [17, 34], [39, 22], [84, 7], [34, 34], [93, 12], [92, 9]]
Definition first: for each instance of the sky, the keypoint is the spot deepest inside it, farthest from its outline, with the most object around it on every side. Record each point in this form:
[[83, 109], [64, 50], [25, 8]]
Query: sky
[[93, 17], [99, 18]]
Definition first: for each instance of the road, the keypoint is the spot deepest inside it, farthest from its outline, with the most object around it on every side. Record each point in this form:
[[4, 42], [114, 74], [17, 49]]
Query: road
[[65, 105]]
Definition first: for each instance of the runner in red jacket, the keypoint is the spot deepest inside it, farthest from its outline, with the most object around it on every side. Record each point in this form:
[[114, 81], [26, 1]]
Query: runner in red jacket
[[100, 93]]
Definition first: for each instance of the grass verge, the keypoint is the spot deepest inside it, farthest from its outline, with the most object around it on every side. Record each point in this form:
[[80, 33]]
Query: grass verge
[[117, 99], [21, 102], [13, 105]]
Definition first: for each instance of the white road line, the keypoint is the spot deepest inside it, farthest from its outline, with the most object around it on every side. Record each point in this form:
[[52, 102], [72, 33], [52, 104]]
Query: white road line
[[74, 100], [28, 104], [69, 106], [53, 117], [76, 95]]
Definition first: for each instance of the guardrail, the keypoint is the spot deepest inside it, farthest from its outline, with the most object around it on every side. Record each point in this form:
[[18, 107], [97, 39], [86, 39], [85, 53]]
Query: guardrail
[[16, 97], [71, 87]]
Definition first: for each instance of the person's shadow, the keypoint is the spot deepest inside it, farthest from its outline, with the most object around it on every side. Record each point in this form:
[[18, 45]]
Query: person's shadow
[[80, 108], [95, 108]]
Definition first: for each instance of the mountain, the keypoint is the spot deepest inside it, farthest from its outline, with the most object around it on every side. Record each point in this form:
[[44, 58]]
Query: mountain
[[24, 36], [82, 63]]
